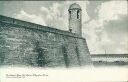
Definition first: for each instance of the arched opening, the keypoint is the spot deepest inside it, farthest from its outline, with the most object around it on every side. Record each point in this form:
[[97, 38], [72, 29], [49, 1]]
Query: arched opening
[[66, 60], [41, 55], [78, 56], [69, 12], [78, 14]]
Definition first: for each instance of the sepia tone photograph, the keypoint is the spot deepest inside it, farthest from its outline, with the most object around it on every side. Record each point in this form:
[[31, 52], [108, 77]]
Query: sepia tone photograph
[[64, 41]]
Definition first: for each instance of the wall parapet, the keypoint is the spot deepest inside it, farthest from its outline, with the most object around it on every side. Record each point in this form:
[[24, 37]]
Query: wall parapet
[[30, 25]]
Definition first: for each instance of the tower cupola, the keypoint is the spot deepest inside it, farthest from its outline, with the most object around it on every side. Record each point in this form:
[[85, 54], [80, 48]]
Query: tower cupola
[[75, 19]]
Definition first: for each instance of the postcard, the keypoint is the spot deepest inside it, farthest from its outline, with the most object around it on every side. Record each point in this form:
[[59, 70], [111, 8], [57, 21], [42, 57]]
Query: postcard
[[64, 41]]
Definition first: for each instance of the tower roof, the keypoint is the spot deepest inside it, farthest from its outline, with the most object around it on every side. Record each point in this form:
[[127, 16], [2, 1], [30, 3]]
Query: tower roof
[[74, 6]]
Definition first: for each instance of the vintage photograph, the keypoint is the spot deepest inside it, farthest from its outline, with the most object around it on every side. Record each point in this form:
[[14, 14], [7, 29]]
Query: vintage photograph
[[43, 40]]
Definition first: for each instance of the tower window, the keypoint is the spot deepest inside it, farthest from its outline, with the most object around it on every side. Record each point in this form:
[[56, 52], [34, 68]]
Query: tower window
[[70, 30], [69, 12], [78, 15]]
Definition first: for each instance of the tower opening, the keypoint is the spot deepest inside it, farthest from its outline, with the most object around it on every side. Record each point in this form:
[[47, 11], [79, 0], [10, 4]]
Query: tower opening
[[77, 14]]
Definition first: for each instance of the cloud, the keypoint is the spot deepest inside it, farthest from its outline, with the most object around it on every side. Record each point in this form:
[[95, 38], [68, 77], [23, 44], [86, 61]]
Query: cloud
[[96, 37], [102, 28], [30, 17], [119, 26], [49, 16], [44, 10], [103, 33], [117, 31], [110, 10], [56, 16]]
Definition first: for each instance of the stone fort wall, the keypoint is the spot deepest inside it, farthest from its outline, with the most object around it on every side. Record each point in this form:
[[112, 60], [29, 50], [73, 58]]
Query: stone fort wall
[[29, 44]]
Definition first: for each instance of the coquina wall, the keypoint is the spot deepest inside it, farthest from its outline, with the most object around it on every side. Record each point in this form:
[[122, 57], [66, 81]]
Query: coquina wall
[[27, 44]]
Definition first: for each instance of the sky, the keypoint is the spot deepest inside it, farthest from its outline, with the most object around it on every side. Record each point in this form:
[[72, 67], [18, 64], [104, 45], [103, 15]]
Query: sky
[[104, 23]]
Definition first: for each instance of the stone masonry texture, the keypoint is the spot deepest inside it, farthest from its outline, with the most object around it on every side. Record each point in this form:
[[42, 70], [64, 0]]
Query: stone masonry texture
[[27, 44]]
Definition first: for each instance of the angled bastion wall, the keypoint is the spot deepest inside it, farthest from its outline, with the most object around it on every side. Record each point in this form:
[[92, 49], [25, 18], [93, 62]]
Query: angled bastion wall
[[28, 44]]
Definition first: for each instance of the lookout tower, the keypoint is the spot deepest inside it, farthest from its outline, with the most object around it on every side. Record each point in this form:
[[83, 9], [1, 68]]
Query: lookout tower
[[75, 19]]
